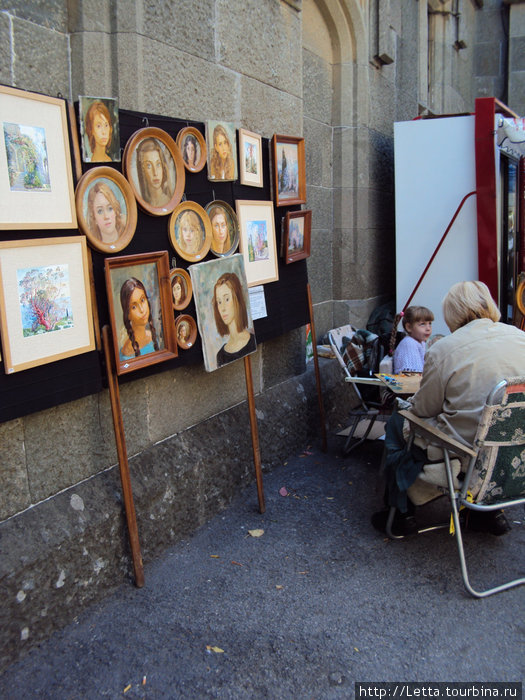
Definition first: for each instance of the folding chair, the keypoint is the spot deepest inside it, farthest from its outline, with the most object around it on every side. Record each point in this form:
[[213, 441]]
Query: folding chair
[[351, 359], [495, 477]]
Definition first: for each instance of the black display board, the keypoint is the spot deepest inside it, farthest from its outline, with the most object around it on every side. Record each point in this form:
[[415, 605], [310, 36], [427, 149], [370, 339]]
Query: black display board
[[51, 384]]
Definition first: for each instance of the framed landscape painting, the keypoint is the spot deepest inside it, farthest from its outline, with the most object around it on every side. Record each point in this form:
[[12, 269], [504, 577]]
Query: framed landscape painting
[[45, 301], [296, 235], [257, 241], [36, 178], [289, 170], [250, 158]]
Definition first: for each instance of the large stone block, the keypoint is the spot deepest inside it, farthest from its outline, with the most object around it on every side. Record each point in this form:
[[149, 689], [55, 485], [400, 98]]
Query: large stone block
[[320, 201], [5, 50], [283, 357], [517, 92], [318, 153], [323, 317], [91, 64], [183, 24], [14, 487], [95, 15], [268, 110], [51, 14], [488, 59], [266, 46], [41, 59], [351, 157], [317, 87], [320, 268]]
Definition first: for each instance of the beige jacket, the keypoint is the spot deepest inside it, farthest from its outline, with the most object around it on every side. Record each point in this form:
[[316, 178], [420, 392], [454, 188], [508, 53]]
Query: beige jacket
[[461, 369]]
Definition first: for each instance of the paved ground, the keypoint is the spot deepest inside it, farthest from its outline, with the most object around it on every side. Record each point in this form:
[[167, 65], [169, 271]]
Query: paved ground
[[317, 602]]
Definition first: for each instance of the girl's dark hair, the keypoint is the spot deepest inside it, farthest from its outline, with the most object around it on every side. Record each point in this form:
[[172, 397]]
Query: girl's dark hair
[[126, 291], [231, 280], [412, 314], [179, 279], [191, 138]]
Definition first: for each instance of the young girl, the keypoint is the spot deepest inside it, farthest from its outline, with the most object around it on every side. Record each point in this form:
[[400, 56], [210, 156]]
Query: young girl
[[136, 313], [409, 356], [99, 131], [105, 219], [231, 319], [190, 232]]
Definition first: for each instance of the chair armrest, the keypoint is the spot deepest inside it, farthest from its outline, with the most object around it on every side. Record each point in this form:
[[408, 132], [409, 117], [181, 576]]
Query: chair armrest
[[437, 436]]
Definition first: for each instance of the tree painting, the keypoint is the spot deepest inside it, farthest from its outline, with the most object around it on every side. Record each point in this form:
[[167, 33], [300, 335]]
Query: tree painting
[[45, 299], [257, 241]]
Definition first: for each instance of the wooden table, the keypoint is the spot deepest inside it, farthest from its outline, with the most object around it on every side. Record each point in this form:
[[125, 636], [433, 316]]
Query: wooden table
[[406, 383]]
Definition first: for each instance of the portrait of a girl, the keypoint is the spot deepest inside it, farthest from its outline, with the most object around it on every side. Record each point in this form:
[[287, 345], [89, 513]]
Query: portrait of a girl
[[105, 218], [231, 319], [138, 321]]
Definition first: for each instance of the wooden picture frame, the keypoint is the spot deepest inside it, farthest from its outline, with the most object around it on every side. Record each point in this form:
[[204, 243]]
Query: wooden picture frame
[[106, 209], [224, 228], [185, 331], [149, 310], [221, 142], [289, 170], [154, 167], [190, 217], [250, 158], [257, 242], [181, 288], [46, 309], [297, 230], [99, 129], [223, 309], [194, 158], [36, 177]]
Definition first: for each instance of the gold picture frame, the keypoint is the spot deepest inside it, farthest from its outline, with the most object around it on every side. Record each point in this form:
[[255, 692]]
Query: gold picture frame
[[185, 331], [193, 148], [250, 158], [190, 217], [180, 297], [257, 242]]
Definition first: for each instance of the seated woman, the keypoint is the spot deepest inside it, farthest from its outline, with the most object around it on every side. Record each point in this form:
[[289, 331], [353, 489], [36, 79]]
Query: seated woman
[[459, 372]]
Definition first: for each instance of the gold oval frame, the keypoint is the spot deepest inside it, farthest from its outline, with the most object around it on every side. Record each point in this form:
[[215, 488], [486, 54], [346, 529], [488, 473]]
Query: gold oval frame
[[186, 345], [129, 160], [191, 130], [520, 296], [172, 226], [181, 272], [115, 180], [234, 222]]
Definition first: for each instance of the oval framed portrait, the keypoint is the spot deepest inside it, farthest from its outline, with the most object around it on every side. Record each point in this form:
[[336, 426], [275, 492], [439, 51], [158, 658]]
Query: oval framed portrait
[[193, 148], [185, 331], [190, 231], [224, 228], [106, 209], [181, 289], [155, 170]]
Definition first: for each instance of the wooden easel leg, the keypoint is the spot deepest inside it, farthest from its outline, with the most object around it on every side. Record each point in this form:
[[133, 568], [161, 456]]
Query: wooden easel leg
[[255, 433], [316, 364], [120, 440]]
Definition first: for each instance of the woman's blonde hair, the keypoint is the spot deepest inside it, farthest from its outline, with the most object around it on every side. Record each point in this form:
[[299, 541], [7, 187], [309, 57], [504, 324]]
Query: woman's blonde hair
[[466, 301]]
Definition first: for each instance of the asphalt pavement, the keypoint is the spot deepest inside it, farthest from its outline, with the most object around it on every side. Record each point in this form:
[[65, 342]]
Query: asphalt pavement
[[299, 602]]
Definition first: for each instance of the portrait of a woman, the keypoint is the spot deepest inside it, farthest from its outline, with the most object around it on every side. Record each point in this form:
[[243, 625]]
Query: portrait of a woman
[[105, 218], [153, 173], [220, 234], [138, 321], [190, 151], [222, 162], [99, 131], [231, 319], [178, 290]]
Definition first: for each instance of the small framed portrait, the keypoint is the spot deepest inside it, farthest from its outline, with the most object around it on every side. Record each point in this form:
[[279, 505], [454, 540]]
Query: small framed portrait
[[140, 310], [190, 231], [154, 167], [224, 228], [289, 172], [223, 311], [186, 331], [257, 241], [193, 148], [106, 209], [297, 227], [250, 158], [181, 289], [99, 129], [222, 151]]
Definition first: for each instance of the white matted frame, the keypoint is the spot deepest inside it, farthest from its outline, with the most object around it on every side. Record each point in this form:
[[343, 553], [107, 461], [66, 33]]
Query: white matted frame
[[250, 158], [36, 180], [257, 241], [45, 301]]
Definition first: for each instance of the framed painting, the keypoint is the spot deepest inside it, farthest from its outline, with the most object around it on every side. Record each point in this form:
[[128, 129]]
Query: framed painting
[[250, 158], [186, 331], [36, 178], [99, 129], [257, 241], [193, 148], [181, 289], [140, 310], [189, 229], [222, 151], [223, 311], [106, 209], [45, 301], [224, 228], [297, 231], [289, 173], [154, 167]]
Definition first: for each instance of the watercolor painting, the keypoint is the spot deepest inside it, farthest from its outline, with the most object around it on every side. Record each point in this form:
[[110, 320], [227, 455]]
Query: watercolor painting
[[257, 234], [27, 158], [45, 299]]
